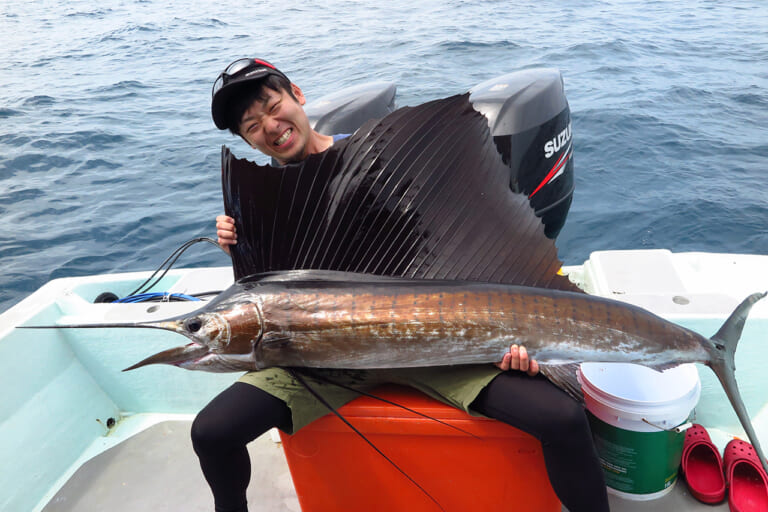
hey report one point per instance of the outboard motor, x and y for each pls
(531, 125)
(346, 110)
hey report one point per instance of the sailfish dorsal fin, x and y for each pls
(421, 193)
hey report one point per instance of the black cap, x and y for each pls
(232, 79)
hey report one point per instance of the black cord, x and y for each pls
(170, 261)
(308, 372)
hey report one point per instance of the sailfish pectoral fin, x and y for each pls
(565, 377)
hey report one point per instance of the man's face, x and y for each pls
(278, 126)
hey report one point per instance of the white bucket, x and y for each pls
(633, 413)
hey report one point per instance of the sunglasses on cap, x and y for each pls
(245, 69)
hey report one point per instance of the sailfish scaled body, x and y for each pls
(403, 245)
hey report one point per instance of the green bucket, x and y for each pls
(634, 412)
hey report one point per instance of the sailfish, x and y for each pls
(403, 245)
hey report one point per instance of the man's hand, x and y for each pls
(517, 359)
(225, 230)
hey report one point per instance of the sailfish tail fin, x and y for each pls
(722, 355)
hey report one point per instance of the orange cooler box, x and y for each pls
(334, 470)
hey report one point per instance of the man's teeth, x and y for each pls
(284, 137)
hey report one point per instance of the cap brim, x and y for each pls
(221, 100)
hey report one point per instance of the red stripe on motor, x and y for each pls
(560, 163)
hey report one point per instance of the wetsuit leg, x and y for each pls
(538, 407)
(220, 433)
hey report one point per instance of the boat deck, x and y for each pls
(83, 435)
(116, 480)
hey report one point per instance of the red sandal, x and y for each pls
(747, 480)
(702, 466)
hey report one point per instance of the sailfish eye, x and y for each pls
(193, 324)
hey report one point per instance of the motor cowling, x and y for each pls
(346, 110)
(530, 122)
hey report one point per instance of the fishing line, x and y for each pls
(170, 261)
(371, 395)
(295, 374)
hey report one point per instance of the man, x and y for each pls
(256, 101)
(271, 120)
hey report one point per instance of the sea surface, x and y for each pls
(109, 159)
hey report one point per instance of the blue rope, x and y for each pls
(144, 297)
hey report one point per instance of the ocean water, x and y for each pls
(109, 159)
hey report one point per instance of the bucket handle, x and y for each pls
(678, 429)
